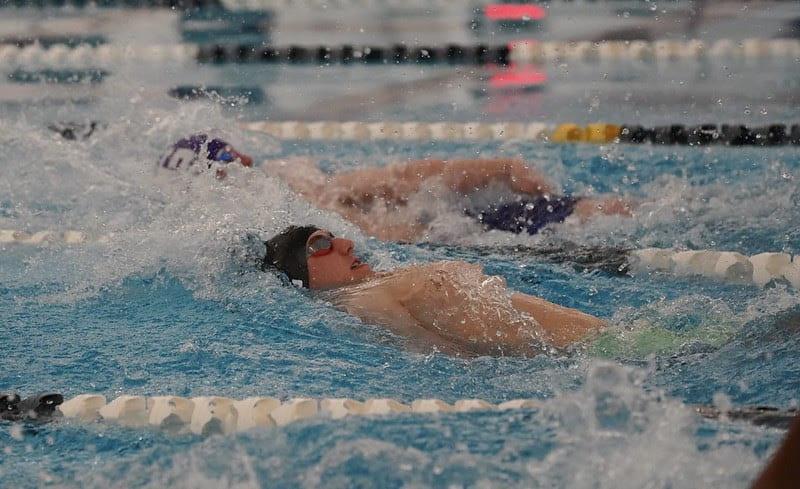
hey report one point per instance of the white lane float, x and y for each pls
(221, 415)
(725, 266)
(254, 412)
(214, 415)
(402, 131)
(169, 413)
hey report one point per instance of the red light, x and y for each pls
(514, 11)
(521, 42)
(518, 78)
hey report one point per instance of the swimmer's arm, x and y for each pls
(467, 176)
(394, 182)
(564, 325)
(443, 305)
(375, 226)
(380, 307)
(422, 340)
(302, 175)
(783, 471)
(586, 208)
(398, 181)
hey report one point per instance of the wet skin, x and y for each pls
(375, 199)
(450, 306)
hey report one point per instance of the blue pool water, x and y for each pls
(168, 306)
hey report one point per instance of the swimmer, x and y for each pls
(783, 470)
(377, 199)
(199, 152)
(451, 306)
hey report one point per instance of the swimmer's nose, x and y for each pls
(343, 246)
(245, 160)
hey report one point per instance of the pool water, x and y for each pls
(169, 305)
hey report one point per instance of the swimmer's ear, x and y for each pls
(285, 280)
(269, 251)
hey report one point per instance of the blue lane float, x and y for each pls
(58, 76)
(47, 41)
(236, 94)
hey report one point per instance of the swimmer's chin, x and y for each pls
(359, 273)
(362, 271)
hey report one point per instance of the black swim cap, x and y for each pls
(287, 252)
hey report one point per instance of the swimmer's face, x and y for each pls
(230, 154)
(331, 262)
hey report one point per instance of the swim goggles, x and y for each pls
(319, 245)
(225, 155)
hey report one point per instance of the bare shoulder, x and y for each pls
(444, 278)
(374, 301)
(439, 266)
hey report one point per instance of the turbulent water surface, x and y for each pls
(169, 304)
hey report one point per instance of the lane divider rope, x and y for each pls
(46, 237)
(725, 266)
(247, 5)
(269, 4)
(596, 133)
(62, 55)
(115, 4)
(317, 4)
(516, 52)
(211, 415)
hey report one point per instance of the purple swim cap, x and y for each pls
(186, 152)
